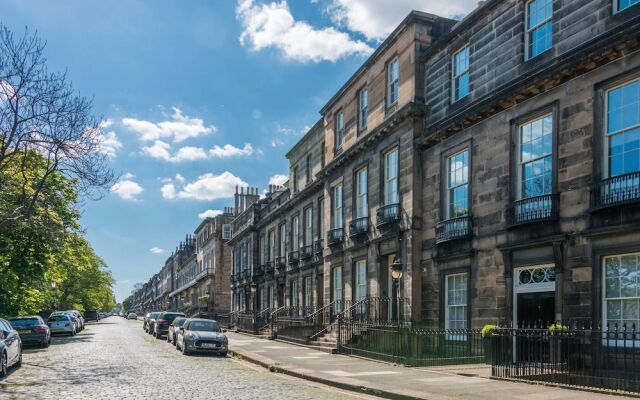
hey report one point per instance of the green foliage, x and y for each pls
(127, 303)
(45, 262)
(487, 329)
(558, 327)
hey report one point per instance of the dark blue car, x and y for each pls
(10, 347)
(32, 330)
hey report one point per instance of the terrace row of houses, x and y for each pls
(473, 171)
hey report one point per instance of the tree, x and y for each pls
(40, 111)
(127, 303)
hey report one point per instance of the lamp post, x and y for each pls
(396, 275)
(254, 289)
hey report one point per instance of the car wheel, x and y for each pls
(168, 338)
(223, 354)
(184, 350)
(3, 365)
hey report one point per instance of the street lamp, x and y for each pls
(396, 275)
(254, 289)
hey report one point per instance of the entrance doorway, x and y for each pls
(534, 295)
(536, 309)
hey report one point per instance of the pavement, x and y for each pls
(116, 359)
(392, 381)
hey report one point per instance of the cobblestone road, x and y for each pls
(115, 359)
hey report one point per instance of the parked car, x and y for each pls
(151, 321)
(92, 316)
(173, 329)
(32, 330)
(132, 315)
(62, 323)
(10, 347)
(201, 336)
(161, 325)
(75, 317)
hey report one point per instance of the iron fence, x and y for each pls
(534, 209)
(619, 189)
(454, 228)
(388, 214)
(253, 323)
(607, 358)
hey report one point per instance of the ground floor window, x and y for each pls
(293, 293)
(336, 279)
(308, 294)
(621, 305)
(455, 312)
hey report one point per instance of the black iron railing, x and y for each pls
(358, 226)
(269, 267)
(388, 214)
(335, 236)
(294, 257)
(306, 252)
(452, 229)
(533, 209)
(607, 358)
(281, 263)
(319, 246)
(253, 322)
(621, 189)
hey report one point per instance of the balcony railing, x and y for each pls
(306, 252)
(294, 257)
(281, 264)
(533, 209)
(335, 236)
(622, 189)
(358, 226)
(388, 214)
(319, 246)
(269, 267)
(452, 229)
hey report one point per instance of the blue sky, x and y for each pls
(198, 96)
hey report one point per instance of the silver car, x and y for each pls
(132, 315)
(201, 336)
(61, 323)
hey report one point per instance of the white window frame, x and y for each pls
(293, 293)
(450, 188)
(339, 129)
(363, 108)
(308, 226)
(308, 291)
(337, 286)
(607, 135)
(447, 307)
(393, 82)
(360, 280)
(336, 203)
(295, 233)
(455, 74)
(282, 251)
(226, 231)
(521, 163)
(617, 9)
(391, 183)
(362, 206)
(611, 342)
(272, 245)
(527, 36)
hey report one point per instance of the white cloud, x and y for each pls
(272, 25)
(209, 214)
(231, 151)
(105, 123)
(286, 131)
(127, 176)
(278, 179)
(156, 250)
(179, 178)
(376, 19)
(276, 142)
(127, 189)
(109, 144)
(162, 150)
(179, 128)
(207, 187)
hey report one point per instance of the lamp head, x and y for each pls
(396, 269)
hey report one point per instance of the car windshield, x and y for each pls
(24, 322)
(170, 317)
(179, 321)
(204, 326)
(154, 315)
(57, 318)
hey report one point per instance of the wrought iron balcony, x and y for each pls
(621, 189)
(335, 236)
(306, 252)
(533, 209)
(388, 214)
(319, 246)
(269, 267)
(359, 226)
(452, 229)
(260, 270)
(281, 262)
(294, 257)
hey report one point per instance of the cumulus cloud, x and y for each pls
(207, 187)
(228, 150)
(109, 144)
(156, 250)
(209, 214)
(126, 188)
(179, 128)
(162, 151)
(278, 179)
(273, 26)
(376, 19)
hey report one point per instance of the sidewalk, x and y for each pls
(391, 381)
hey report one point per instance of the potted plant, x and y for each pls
(556, 339)
(486, 341)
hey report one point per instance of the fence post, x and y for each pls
(339, 335)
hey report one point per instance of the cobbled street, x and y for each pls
(116, 359)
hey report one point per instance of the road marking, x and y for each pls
(367, 373)
(317, 353)
(452, 379)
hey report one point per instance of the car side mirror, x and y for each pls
(181, 328)
(224, 331)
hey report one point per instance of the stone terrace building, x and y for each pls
(531, 165)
